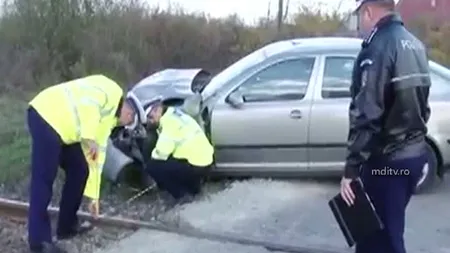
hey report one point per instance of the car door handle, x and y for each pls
(295, 114)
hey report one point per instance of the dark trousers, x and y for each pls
(47, 154)
(390, 195)
(177, 177)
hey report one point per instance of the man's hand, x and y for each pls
(94, 208)
(346, 191)
(92, 147)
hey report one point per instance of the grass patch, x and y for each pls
(14, 139)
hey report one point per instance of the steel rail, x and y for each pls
(19, 209)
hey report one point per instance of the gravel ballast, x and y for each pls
(13, 233)
(286, 212)
(13, 238)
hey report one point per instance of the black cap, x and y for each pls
(360, 3)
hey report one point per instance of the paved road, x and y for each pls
(287, 212)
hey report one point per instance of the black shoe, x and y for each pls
(79, 229)
(47, 248)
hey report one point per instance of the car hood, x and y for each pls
(171, 83)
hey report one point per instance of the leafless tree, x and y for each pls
(268, 14)
(280, 16)
(286, 11)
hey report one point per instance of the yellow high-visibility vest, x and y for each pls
(84, 108)
(182, 137)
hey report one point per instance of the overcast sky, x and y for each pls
(250, 10)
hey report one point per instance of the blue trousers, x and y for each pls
(390, 195)
(177, 177)
(48, 153)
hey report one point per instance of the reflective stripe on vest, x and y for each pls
(104, 112)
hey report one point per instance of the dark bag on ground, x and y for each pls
(360, 219)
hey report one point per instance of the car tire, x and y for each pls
(429, 173)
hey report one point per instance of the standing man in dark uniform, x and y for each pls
(388, 115)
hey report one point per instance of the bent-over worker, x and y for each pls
(69, 125)
(182, 155)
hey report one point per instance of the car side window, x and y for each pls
(286, 80)
(337, 77)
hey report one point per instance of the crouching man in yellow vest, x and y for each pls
(182, 155)
(69, 125)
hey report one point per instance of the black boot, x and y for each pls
(47, 248)
(79, 229)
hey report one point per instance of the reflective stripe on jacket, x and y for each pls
(84, 108)
(182, 137)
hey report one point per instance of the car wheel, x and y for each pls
(429, 173)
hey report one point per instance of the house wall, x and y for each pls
(414, 9)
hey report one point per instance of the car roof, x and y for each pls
(280, 49)
(306, 45)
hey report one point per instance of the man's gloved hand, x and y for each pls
(94, 208)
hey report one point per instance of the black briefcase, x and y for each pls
(360, 219)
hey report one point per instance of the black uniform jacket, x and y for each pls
(390, 87)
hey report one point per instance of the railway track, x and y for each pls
(17, 211)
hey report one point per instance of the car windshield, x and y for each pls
(440, 79)
(235, 69)
(246, 62)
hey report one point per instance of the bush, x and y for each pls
(434, 36)
(48, 41)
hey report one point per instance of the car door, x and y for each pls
(329, 114)
(268, 132)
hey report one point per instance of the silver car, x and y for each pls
(279, 111)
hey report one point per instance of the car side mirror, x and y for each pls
(235, 99)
